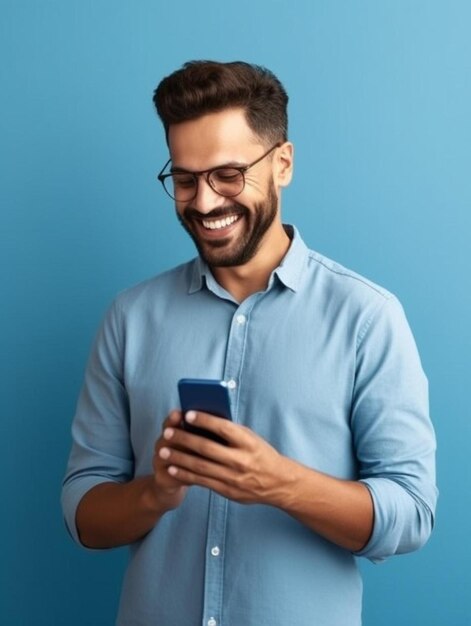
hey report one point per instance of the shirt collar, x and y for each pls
(289, 272)
(198, 275)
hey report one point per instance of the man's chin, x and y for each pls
(212, 244)
(219, 254)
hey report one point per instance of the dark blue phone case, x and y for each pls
(209, 396)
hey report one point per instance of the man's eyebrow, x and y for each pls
(175, 169)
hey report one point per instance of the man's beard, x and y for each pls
(257, 222)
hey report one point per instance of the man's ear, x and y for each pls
(283, 164)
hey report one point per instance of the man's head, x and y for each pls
(202, 87)
(225, 125)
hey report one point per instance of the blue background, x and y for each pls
(380, 116)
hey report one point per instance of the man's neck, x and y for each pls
(244, 280)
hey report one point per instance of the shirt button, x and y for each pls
(212, 622)
(241, 319)
(215, 551)
(231, 384)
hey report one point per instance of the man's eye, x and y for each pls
(183, 181)
(226, 175)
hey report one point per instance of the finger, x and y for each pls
(161, 475)
(173, 419)
(234, 434)
(179, 439)
(198, 465)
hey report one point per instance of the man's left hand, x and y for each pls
(247, 470)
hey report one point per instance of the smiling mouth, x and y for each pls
(219, 224)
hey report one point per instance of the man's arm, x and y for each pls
(251, 471)
(103, 505)
(114, 514)
(339, 510)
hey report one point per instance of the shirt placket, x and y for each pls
(219, 506)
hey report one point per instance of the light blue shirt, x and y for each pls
(323, 366)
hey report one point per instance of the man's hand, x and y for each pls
(247, 470)
(113, 514)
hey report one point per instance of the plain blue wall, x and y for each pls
(380, 115)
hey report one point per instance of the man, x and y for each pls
(330, 452)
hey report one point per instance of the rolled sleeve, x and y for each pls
(101, 450)
(393, 434)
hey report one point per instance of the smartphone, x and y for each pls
(209, 396)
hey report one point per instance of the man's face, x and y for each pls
(226, 231)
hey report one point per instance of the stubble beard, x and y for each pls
(221, 253)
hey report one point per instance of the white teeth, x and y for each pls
(216, 224)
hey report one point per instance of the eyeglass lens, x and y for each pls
(226, 181)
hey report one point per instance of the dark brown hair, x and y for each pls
(202, 87)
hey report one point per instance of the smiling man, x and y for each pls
(330, 453)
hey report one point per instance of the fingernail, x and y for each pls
(190, 416)
(164, 453)
(172, 470)
(168, 433)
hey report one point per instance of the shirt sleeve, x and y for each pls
(393, 434)
(101, 450)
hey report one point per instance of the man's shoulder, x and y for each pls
(157, 288)
(340, 281)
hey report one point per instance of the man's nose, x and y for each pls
(206, 198)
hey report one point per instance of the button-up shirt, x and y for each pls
(322, 364)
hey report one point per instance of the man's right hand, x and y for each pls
(115, 514)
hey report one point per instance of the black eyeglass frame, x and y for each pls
(207, 174)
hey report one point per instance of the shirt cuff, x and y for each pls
(402, 522)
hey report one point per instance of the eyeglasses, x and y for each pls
(225, 180)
